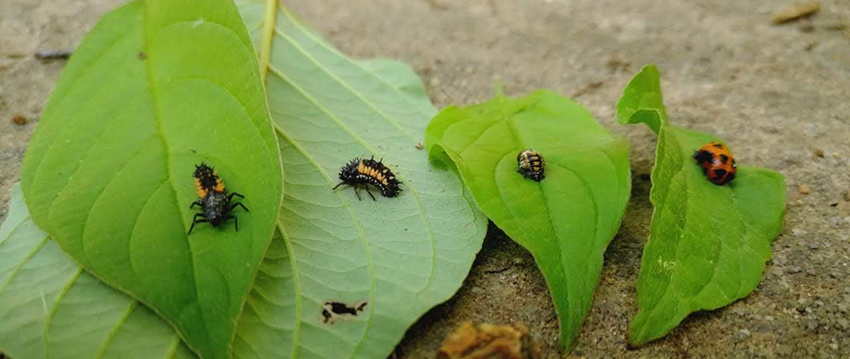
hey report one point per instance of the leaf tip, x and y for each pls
(642, 100)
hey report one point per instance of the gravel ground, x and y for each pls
(779, 94)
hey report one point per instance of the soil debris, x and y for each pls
(19, 120)
(795, 12)
(53, 54)
(803, 189)
(489, 341)
(593, 86)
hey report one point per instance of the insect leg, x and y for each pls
(234, 194)
(337, 186)
(357, 193)
(240, 205)
(196, 220)
(370, 193)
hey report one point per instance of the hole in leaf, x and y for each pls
(334, 311)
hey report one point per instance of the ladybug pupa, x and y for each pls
(531, 164)
(213, 199)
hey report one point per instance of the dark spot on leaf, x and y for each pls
(334, 311)
(142, 55)
(341, 308)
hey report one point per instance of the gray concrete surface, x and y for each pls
(779, 95)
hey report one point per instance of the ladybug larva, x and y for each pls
(531, 164)
(365, 172)
(213, 199)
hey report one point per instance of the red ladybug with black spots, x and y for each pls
(717, 163)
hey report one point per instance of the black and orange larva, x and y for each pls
(213, 199)
(365, 172)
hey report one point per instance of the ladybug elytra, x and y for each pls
(717, 163)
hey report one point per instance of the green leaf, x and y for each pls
(708, 244)
(50, 307)
(401, 255)
(642, 101)
(157, 87)
(566, 220)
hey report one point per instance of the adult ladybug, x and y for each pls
(717, 163)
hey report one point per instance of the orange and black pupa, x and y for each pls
(717, 163)
(531, 164)
(213, 199)
(366, 172)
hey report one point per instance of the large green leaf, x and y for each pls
(51, 308)
(566, 220)
(157, 87)
(708, 244)
(402, 255)
(282, 317)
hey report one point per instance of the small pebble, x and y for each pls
(847, 196)
(811, 273)
(518, 261)
(794, 270)
(803, 189)
(813, 246)
(19, 120)
(769, 318)
(819, 152)
(833, 346)
(477, 290)
(742, 334)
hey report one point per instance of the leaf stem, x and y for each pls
(268, 33)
